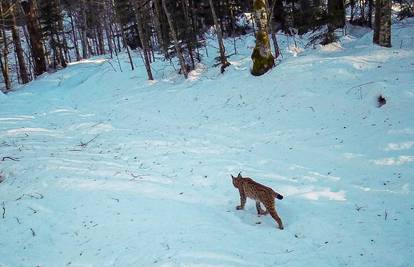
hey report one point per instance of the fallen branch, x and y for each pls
(361, 85)
(4, 210)
(135, 176)
(358, 208)
(82, 144)
(10, 158)
(34, 211)
(36, 196)
(116, 199)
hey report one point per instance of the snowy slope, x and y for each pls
(103, 168)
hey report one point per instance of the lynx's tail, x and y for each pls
(278, 196)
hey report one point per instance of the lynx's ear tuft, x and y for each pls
(239, 175)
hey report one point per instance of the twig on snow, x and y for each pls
(33, 232)
(358, 208)
(116, 199)
(82, 144)
(10, 158)
(361, 85)
(134, 176)
(4, 210)
(35, 195)
(386, 215)
(34, 211)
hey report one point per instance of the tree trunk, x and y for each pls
(262, 57)
(270, 11)
(144, 42)
(61, 45)
(106, 27)
(176, 44)
(158, 29)
(18, 49)
(36, 44)
(4, 62)
(336, 19)
(352, 4)
(101, 43)
(75, 39)
(84, 37)
(190, 39)
(223, 59)
(370, 8)
(382, 31)
(64, 44)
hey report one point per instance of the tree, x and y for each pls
(336, 19)
(176, 43)
(52, 27)
(144, 39)
(382, 29)
(18, 46)
(4, 62)
(223, 58)
(38, 54)
(270, 13)
(262, 57)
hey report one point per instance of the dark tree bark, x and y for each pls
(74, 36)
(36, 44)
(4, 62)
(382, 30)
(223, 58)
(174, 36)
(84, 28)
(270, 11)
(18, 48)
(336, 19)
(144, 41)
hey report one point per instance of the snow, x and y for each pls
(103, 168)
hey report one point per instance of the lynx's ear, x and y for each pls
(232, 176)
(239, 176)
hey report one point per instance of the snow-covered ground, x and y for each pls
(103, 168)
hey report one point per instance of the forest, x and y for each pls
(39, 36)
(206, 133)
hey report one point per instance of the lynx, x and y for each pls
(260, 193)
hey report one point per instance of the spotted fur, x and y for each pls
(248, 188)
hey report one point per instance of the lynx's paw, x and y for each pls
(239, 207)
(262, 212)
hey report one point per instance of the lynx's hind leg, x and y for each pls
(271, 209)
(259, 209)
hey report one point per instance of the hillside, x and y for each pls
(103, 168)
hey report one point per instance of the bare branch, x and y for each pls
(10, 158)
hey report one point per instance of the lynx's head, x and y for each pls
(236, 180)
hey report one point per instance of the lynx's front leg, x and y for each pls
(242, 200)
